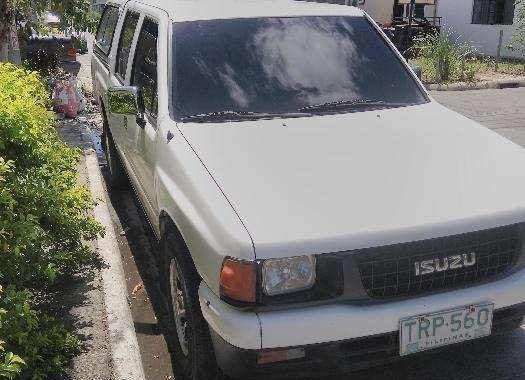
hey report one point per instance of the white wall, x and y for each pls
(458, 15)
(380, 10)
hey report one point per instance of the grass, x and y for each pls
(476, 69)
(510, 66)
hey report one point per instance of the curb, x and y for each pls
(124, 348)
(497, 84)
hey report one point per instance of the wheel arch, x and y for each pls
(168, 224)
(166, 221)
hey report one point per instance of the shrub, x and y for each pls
(444, 58)
(11, 365)
(42, 341)
(44, 223)
(44, 213)
(43, 61)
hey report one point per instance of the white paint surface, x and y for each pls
(350, 181)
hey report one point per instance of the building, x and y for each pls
(477, 21)
(381, 11)
(384, 11)
(480, 22)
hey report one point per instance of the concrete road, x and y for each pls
(501, 110)
(495, 358)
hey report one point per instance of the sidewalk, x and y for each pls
(83, 300)
(487, 85)
(135, 245)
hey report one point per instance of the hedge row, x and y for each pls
(44, 223)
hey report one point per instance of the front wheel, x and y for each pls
(188, 336)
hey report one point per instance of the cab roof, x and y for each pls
(198, 10)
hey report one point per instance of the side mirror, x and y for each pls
(125, 101)
(417, 70)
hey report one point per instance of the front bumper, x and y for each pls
(343, 321)
(331, 333)
(337, 357)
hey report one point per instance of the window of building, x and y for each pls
(493, 12)
(124, 46)
(419, 10)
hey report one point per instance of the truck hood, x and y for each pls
(335, 183)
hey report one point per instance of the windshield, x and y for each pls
(279, 66)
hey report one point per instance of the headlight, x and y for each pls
(281, 276)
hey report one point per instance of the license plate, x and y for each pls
(426, 332)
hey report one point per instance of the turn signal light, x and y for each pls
(238, 280)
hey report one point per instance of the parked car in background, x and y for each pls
(317, 210)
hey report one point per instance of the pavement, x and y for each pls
(97, 303)
(82, 299)
(512, 82)
(500, 110)
(494, 358)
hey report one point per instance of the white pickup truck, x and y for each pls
(318, 210)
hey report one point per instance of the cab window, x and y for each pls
(106, 28)
(144, 73)
(124, 46)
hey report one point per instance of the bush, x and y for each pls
(44, 61)
(44, 213)
(444, 58)
(42, 341)
(44, 223)
(11, 365)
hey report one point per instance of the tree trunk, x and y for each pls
(10, 50)
(9, 47)
(4, 50)
(13, 44)
(4, 27)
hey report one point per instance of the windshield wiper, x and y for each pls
(239, 115)
(351, 105)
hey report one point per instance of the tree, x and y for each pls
(74, 14)
(10, 12)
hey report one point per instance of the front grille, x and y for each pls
(390, 271)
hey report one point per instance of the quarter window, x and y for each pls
(124, 46)
(144, 73)
(493, 12)
(106, 28)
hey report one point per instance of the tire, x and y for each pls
(188, 337)
(118, 180)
